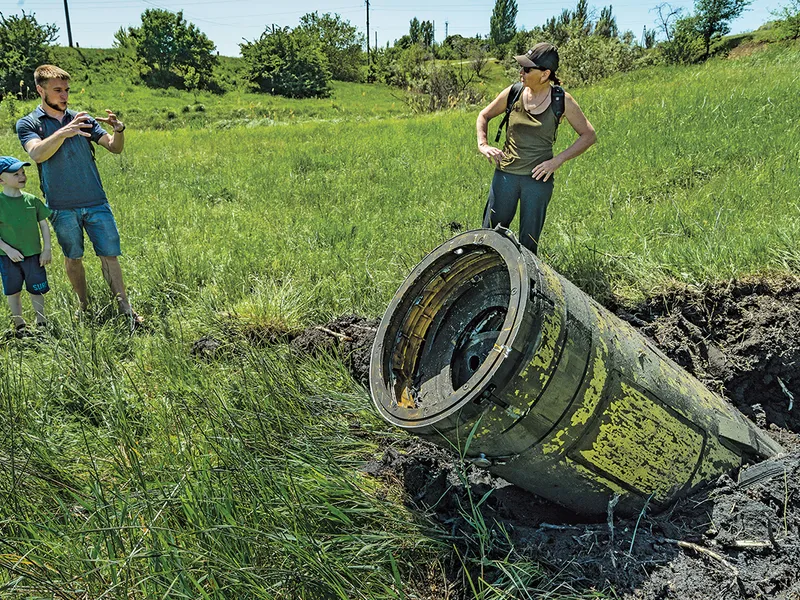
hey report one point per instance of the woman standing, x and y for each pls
(526, 164)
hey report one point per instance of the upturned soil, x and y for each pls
(738, 538)
(348, 336)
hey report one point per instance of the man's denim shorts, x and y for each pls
(98, 221)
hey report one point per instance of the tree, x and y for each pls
(124, 40)
(649, 38)
(789, 24)
(685, 44)
(580, 18)
(414, 31)
(606, 25)
(503, 24)
(462, 47)
(404, 42)
(339, 41)
(169, 46)
(426, 33)
(714, 16)
(667, 16)
(24, 45)
(589, 51)
(479, 58)
(556, 29)
(287, 63)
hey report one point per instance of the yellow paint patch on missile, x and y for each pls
(590, 401)
(556, 443)
(644, 445)
(551, 329)
(717, 458)
(592, 396)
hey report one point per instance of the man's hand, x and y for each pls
(491, 153)
(45, 257)
(117, 125)
(14, 254)
(546, 169)
(78, 126)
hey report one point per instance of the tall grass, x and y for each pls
(133, 468)
(157, 475)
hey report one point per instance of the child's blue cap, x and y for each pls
(11, 164)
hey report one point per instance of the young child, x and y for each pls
(22, 257)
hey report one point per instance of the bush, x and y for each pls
(24, 45)
(339, 41)
(441, 88)
(230, 73)
(588, 51)
(9, 113)
(585, 58)
(409, 67)
(430, 87)
(93, 66)
(788, 26)
(287, 63)
(686, 44)
(173, 52)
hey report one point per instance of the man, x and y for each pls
(60, 142)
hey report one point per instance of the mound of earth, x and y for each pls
(736, 539)
(350, 336)
(732, 540)
(742, 340)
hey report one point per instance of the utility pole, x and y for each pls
(375, 45)
(69, 28)
(369, 69)
(445, 30)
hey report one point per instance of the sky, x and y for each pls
(228, 22)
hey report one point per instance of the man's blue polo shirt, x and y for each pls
(69, 178)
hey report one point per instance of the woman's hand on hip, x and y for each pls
(546, 169)
(491, 153)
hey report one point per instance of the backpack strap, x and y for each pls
(37, 125)
(513, 95)
(558, 101)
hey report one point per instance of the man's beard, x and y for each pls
(54, 106)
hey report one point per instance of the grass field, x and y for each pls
(132, 469)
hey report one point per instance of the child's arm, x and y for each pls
(12, 253)
(46, 256)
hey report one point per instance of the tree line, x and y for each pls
(169, 51)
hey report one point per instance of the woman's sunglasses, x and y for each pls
(529, 69)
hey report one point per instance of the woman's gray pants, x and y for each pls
(533, 196)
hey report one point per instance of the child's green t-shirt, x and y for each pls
(19, 222)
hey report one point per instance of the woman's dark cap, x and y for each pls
(542, 56)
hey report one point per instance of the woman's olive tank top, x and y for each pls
(529, 139)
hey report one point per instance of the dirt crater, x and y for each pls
(741, 339)
(738, 538)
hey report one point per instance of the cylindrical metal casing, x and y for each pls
(558, 395)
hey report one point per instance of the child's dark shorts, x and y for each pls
(29, 271)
